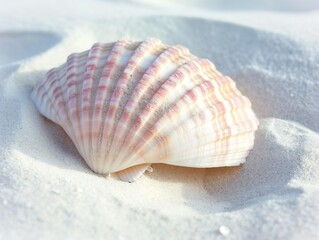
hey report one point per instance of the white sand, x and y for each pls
(48, 192)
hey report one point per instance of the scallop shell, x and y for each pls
(127, 104)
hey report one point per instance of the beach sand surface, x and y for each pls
(270, 49)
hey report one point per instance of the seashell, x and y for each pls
(127, 104)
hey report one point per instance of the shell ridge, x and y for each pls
(72, 80)
(185, 74)
(42, 101)
(234, 159)
(51, 84)
(60, 96)
(132, 109)
(105, 87)
(61, 104)
(103, 52)
(87, 97)
(121, 89)
(150, 108)
(129, 50)
(101, 62)
(202, 85)
(239, 128)
(76, 112)
(200, 148)
(219, 139)
(76, 68)
(209, 113)
(101, 99)
(129, 80)
(194, 111)
(156, 105)
(216, 116)
(205, 154)
(64, 69)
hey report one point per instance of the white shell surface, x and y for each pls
(128, 104)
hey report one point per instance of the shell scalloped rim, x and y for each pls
(128, 104)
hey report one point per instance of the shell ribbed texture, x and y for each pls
(128, 104)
